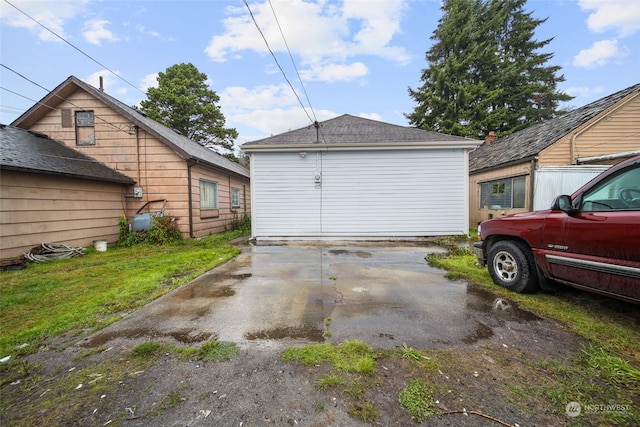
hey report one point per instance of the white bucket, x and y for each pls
(100, 245)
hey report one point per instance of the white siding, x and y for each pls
(286, 201)
(552, 181)
(403, 193)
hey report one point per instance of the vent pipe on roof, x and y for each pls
(101, 84)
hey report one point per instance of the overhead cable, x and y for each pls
(75, 47)
(276, 60)
(293, 62)
(59, 97)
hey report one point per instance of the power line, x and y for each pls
(73, 46)
(276, 60)
(58, 96)
(293, 62)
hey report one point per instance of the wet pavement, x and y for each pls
(382, 293)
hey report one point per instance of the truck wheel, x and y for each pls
(511, 266)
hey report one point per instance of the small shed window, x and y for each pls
(506, 193)
(235, 197)
(208, 195)
(85, 130)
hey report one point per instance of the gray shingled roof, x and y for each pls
(356, 130)
(183, 146)
(528, 142)
(28, 151)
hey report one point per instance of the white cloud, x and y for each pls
(622, 16)
(585, 92)
(600, 53)
(52, 15)
(150, 80)
(110, 83)
(277, 120)
(95, 31)
(261, 97)
(323, 35)
(372, 116)
(335, 72)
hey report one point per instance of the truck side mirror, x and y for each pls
(562, 203)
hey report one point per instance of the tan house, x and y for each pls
(204, 190)
(52, 193)
(525, 170)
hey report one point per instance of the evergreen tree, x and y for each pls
(183, 102)
(485, 73)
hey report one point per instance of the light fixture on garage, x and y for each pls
(303, 154)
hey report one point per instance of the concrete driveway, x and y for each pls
(382, 293)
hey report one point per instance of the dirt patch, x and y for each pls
(91, 385)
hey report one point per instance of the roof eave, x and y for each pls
(123, 181)
(355, 146)
(504, 165)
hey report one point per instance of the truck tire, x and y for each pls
(511, 266)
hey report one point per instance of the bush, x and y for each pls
(164, 229)
(243, 224)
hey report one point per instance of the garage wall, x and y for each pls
(384, 193)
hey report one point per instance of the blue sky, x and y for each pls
(353, 56)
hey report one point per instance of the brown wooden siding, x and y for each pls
(202, 223)
(44, 208)
(614, 131)
(160, 172)
(476, 214)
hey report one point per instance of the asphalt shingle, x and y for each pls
(29, 151)
(532, 140)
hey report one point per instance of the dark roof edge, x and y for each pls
(127, 181)
(504, 165)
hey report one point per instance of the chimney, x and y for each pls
(490, 138)
(101, 84)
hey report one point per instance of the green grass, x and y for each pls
(145, 349)
(352, 356)
(417, 397)
(611, 324)
(216, 351)
(607, 367)
(87, 293)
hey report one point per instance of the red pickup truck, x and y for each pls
(589, 240)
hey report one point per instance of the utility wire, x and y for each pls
(73, 46)
(276, 60)
(59, 97)
(293, 62)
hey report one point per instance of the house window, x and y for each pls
(503, 194)
(208, 195)
(85, 131)
(235, 197)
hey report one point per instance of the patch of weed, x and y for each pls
(216, 351)
(329, 381)
(417, 397)
(419, 357)
(365, 411)
(145, 349)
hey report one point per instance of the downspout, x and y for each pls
(189, 165)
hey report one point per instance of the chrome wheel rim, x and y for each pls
(505, 266)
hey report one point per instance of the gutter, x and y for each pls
(354, 146)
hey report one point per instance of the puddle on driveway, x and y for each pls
(385, 295)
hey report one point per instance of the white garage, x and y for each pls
(355, 178)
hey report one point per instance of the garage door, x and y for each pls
(360, 193)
